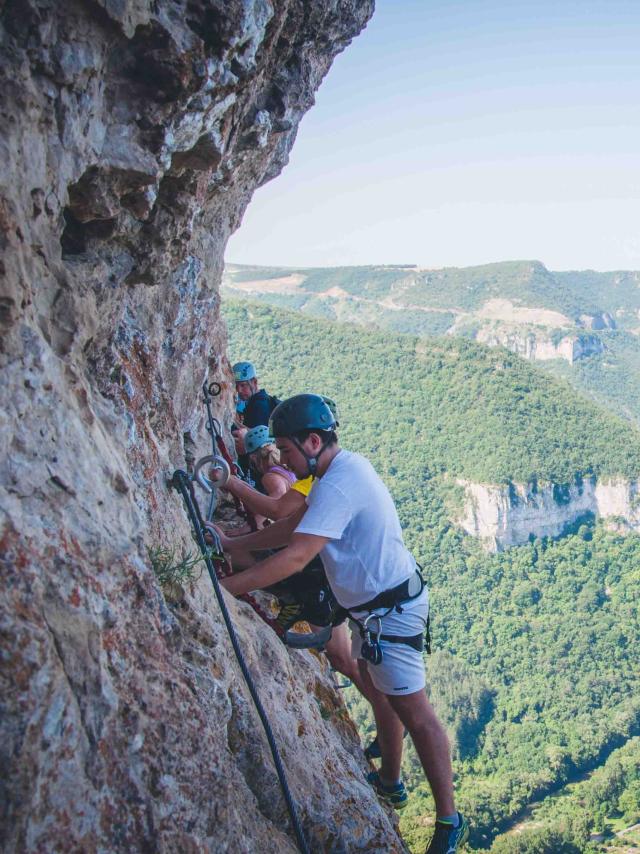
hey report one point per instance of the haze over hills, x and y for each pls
(534, 667)
(582, 325)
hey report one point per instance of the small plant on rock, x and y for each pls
(171, 569)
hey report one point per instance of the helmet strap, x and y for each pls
(312, 462)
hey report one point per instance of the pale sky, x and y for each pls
(460, 132)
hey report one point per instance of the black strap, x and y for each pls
(390, 598)
(415, 641)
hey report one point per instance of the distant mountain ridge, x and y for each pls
(583, 325)
(458, 289)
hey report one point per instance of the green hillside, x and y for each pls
(616, 292)
(612, 379)
(432, 303)
(451, 405)
(529, 283)
(534, 668)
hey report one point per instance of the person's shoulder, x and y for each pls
(352, 465)
(349, 460)
(257, 410)
(304, 485)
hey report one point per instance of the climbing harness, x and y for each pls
(184, 485)
(392, 599)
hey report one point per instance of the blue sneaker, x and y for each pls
(396, 795)
(448, 839)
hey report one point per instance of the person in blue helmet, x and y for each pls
(254, 405)
(274, 480)
(350, 520)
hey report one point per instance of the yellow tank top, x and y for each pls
(303, 486)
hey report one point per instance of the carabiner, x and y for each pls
(365, 625)
(217, 463)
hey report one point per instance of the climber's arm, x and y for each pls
(272, 537)
(301, 549)
(265, 505)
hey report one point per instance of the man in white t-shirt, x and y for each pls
(351, 521)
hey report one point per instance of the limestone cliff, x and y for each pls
(133, 135)
(505, 516)
(540, 345)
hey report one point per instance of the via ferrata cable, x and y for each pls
(182, 483)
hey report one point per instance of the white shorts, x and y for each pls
(401, 670)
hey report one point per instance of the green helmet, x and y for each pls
(256, 438)
(301, 412)
(333, 406)
(243, 371)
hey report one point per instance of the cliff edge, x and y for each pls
(133, 135)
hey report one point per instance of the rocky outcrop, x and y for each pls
(505, 516)
(597, 321)
(538, 345)
(133, 135)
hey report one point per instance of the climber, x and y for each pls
(274, 507)
(258, 404)
(272, 480)
(288, 507)
(351, 521)
(305, 596)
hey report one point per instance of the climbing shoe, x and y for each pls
(448, 839)
(373, 750)
(395, 795)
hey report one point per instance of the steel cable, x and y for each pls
(181, 482)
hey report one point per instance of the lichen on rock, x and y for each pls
(134, 133)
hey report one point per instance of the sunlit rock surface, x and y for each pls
(504, 516)
(133, 135)
(541, 345)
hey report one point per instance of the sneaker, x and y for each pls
(395, 795)
(373, 750)
(448, 839)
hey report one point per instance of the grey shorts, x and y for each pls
(401, 670)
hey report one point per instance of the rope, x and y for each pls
(213, 429)
(181, 482)
(240, 508)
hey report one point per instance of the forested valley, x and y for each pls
(535, 661)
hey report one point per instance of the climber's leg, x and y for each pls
(431, 743)
(389, 726)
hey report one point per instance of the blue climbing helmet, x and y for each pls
(256, 438)
(299, 413)
(243, 371)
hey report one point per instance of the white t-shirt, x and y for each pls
(352, 506)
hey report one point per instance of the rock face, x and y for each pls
(598, 321)
(505, 516)
(133, 135)
(541, 346)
